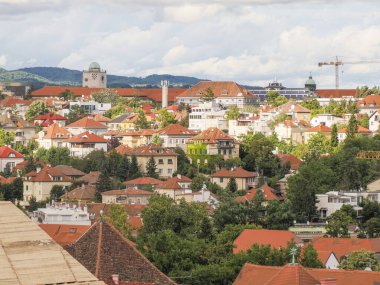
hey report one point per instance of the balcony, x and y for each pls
(225, 145)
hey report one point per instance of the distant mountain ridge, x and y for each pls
(41, 76)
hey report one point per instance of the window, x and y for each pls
(160, 171)
(160, 161)
(221, 179)
(170, 161)
(170, 171)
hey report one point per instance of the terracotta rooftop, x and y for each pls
(212, 135)
(64, 234)
(46, 174)
(171, 183)
(292, 107)
(54, 131)
(123, 149)
(274, 238)
(69, 170)
(8, 180)
(320, 128)
(7, 152)
(90, 178)
(142, 181)
(370, 101)
(359, 130)
(129, 192)
(100, 118)
(50, 116)
(87, 123)
(84, 192)
(152, 150)
(87, 137)
(176, 130)
(335, 93)
(236, 172)
(10, 101)
(291, 159)
(268, 192)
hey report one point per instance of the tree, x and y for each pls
(207, 95)
(56, 192)
(102, 185)
(232, 185)
(279, 215)
(106, 96)
(351, 127)
(360, 260)
(113, 143)
(76, 113)
(165, 118)
(67, 95)
(338, 223)
(6, 138)
(372, 227)
(115, 111)
(255, 210)
(33, 205)
(58, 155)
(233, 112)
(141, 122)
(318, 145)
(272, 96)
(118, 217)
(156, 139)
(364, 121)
(35, 109)
(229, 212)
(151, 168)
(310, 258)
(135, 171)
(364, 91)
(334, 136)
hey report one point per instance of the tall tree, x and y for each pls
(165, 118)
(151, 168)
(310, 257)
(334, 136)
(233, 112)
(141, 122)
(207, 95)
(135, 170)
(351, 127)
(35, 109)
(106, 96)
(118, 217)
(6, 138)
(232, 185)
(102, 185)
(338, 223)
(360, 260)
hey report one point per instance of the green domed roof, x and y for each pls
(94, 65)
(310, 81)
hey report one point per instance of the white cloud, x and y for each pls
(191, 13)
(3, 60)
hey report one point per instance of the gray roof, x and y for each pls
(120, 118)
(28, 256)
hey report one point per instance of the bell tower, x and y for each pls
(94, 77)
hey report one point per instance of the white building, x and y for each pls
(91, 107)
(84, 143)
(332, 201)
(62, 214)
(208, 115)
(94, 77)
(9, 158)
(374, 122)
(328, 119)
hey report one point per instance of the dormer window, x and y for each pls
(11, 154)
(57, 178)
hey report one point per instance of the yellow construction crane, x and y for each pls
(368, 154)
(338, 62)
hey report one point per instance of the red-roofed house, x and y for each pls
(244, 179)
(84, 143)
(336, 93)
(171, 188)
(130, 196)
(39, 183)
(290, 131)
(361, 131)
(296, 111)
(369, 104)
(175, 135)
(53, 135)
(48, 119)
(82, 193)
(291, 160)
(268, 192)
(64, 234)
(142, 182)
(86, 125)
(273, 238)
(9, 158)
(321, 128)
(295, 274)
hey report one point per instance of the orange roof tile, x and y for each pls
(142, 181)
(8, 180)
(291, 106)
(128, 192)
(47, 174)
(10, 101)
(7, 152)
(85, 192)
(54, 131)
(86, 122)
(50, 116)
(171, 183)
(267, 191)
(359, 130)
(212, 135)
(286, 158)
(274, 238)
(370, 101)
(236, 172)
(90, 178)
(99, 118)
(87, 137)
(135, 222)
(123, 149)
(176, 130)
(320, 128)
(64, 234)
(335, 93)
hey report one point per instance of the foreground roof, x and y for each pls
(87, 137)
(236, 172)
(7, 152)
(28, 256)
(64, 234)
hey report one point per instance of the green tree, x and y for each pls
(364, 91)
(118, 217)
(112, 113)
(338, 223)
(67, 95)
(106, 96)
(318, 145)
(351, 127)
(279, 215)
(56, 192)
(311, 104)
(58, 155)
(6, 138)
(207, 95)
(334, 136)
(156, 139)
(135, 171)
(102, 185)
(255, 210)
(364, 121)
(165, 118)
(229, 212)
(360, 260)
(280, 100)
(35, 109)
(272, 96)
(76, 113)
(233, 112)
(372, 227)
(141, 122)
(232, 185)
(151, 168)
(310, 258)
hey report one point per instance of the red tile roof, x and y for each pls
(296, 274)
(291, 106)
(46, 174)
(320, 128)
(54, 131)
(129, 192)
(50, 116)
(334, 93)
(219, 88)
(99, 118)
(268, 192)
(171, 183)
(343, 246)
(359, 130)
(274, 238)
(10, 101)
(152, 150)
(212, 135)
(88, 123)
(7, 152)
(87, 137)
(90, 178)
(176, 130)
(85, 192)
(8, 180)
(294, 161)
(123, 149)
(64, 234)
(143, 181)
(135, 222)
(370, 101)
(236, 172)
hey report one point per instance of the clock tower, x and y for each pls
(94, 77)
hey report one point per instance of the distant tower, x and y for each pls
(94, 77)
(165, 92)
(310, 84)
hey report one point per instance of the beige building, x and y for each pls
(137, 138)
(94, 77)
(54, 135)
(294, 110)
(244, 179)
(126, 196)
(322, 128)
(39, 183)
(9, 158)
(175, 135)
(291, 131)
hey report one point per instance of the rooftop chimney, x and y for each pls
(328, 281)
(165, 93)
(115, 279)
(179, 176)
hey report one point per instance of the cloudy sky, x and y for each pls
(248, 41)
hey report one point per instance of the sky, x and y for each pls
(247, 41)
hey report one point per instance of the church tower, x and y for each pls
(94, 77)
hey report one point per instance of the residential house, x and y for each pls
(53, 136)
(105, 251)
(165, 158)
(81, 193)
(84, 143)
(322, 128)
(175, 135)
(142, 183)
(62, 214)
(64, 234)
(172, 189)
(9, 158)
(30, 256)
(208, 115)
(332, 201)
(39, 183)
(244, 179)
(273, 238)
(91, 178)
(327, 119)
(91, 107)
(290, 131)
(23, 130)
(116, 123)
(244, 124)
(137, 138)
(100, 118)
(211, 142)
(361, 131)
(294, 110)
(290, 160)
(374, 122)
(129, 196)
(268, 192)
(226, 93)
(48, 119)
(296, 274)
(86, 125)
(369, 104)
(202, 196)
(70, 171)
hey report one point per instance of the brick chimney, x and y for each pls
(328, 281)
(115, 279)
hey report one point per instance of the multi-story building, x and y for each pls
(84, 143)
(226, 93)
(374, 122)
(361, 131)
(208, 115)
(322, 128)
(126, 196)
(244, 179)
(327, 119)
(62, 214)
(23, 130)
(9, 158)
(369, 104)
(212, 141)
(86, 125)
(91, 107)
(175, 135)
(54, 135)
(94, 77)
